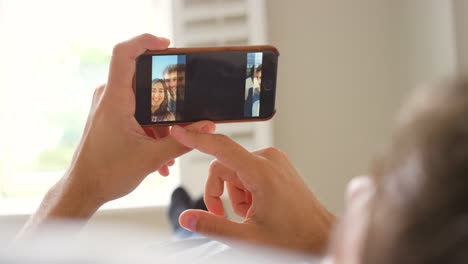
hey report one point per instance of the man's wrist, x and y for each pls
(72, 198)
(67, 199)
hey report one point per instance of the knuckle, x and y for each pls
(99, 89)
(97, 94)
(210, 228)
(214, 165)
(263, 164)
(221, 139)
(146, 36)
(274, 153)
(272, 150)
(119, 48)
(202, 226)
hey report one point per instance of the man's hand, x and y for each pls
(265, 189)
(115, 153)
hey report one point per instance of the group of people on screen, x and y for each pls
(165, 93)
(169, 90)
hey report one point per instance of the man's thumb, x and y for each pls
(211, 225)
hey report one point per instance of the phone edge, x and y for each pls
(207, 49)
(216, 122)
(214, 49)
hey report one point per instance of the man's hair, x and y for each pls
(251, 72)
(174, 68)
(259, 68)
(420, 210)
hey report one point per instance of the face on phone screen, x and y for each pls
(217, 86)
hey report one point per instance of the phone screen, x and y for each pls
(217, 86)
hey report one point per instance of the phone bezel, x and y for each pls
(140, 113)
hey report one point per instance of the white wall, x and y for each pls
(345, 67)
(461, 26)
(430, 40)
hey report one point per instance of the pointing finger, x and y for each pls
(228, 152)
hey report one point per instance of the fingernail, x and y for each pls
(164, 39)
(359, 187)
(190, 222)
(205, 129)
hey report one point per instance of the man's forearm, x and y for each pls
(65, 200)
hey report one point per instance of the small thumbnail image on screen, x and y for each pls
(167, 87)
(253, 84)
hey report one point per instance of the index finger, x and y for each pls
(214, 186)
(228, 152)
(122, 66)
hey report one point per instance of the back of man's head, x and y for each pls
(420, 210)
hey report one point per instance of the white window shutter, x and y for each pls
(220, 23)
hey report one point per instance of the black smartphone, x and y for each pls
(221, 84)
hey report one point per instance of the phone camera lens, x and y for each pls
(269, 84)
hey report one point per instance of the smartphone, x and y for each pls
(221, 84)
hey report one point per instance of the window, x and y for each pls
(54, 53)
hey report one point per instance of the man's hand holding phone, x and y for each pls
(264, 188)
(115, 153)
(115, 150)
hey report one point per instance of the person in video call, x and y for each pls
(253, 83)
(257, 89)
(174, 75)
(413, 208)
(249, 81)
(159, 99)
(249, 85)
